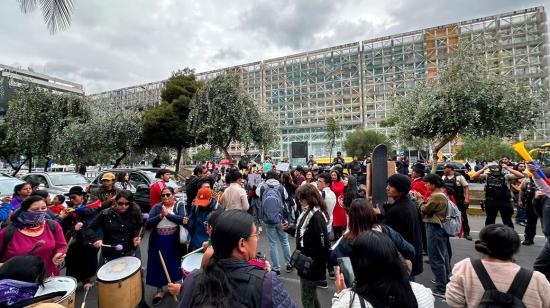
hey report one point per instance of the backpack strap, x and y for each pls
(520, 283)
(483, 275)
(8, 235)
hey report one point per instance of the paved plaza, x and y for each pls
(461, 249)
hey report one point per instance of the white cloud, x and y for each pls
(113, 44)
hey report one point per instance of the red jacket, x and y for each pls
(338, 214)
(155, 192)
(420, 186)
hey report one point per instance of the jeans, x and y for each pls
(309, 293)
(532, 218)
(275, 232)
(440, 262)
(492, 207)
(542, 263)
(520, 211)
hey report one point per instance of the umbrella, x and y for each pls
(225, 162)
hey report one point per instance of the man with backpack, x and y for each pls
(272, 195)
(457, 186)
(498, 197)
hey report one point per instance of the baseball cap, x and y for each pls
(108, 176)
(203, 196)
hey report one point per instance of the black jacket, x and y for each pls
(316, 245)
(404, 217)
(117, 229)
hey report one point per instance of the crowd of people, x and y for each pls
(373, 254)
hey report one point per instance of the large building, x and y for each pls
(11, 78)
(355, 82)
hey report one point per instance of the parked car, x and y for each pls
(139, 178)
(57, 183)
(459, 167)
(7, 184)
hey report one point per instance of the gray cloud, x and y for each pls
(113, 44)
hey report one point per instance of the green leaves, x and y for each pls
(223, 112)
(484, 148)
(362, 142)
(467, 100)
(333, 132)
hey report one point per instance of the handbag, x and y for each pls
(183, 232)
(298, 260)
(301, 262)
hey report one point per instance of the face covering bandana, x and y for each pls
(32, 219)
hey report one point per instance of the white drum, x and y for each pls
(119, 283)
(60, 283)
(191, 263)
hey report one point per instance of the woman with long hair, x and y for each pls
(498, 244)
(362, 217)
(123, 182)
(165, 218)
(380, 279)
(350, 191)
(228, 280)
(31, 233)
(312, 241)
(20, 193)
(120, 225)
(339, 220)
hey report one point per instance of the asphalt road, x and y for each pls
(461, 249)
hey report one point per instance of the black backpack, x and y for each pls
(496, 187)
(494, 298)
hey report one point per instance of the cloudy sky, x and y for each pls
(118, 43)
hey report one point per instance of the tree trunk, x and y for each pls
(438, 147)
(178, 159)
(226, 151)
(15, 170)
(30, 163)
(47, 163)
(117, 162)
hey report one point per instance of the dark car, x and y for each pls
(459, 168)
(141, 180)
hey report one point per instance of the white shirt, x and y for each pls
(330, 200)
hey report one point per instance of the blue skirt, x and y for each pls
(171, 252)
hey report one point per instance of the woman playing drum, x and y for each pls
(165, 218)
(120, 225)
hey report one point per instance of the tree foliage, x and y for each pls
(167, 125)
(486, 148)
(36, 118)
(333, 133)
(466, 100)
(103, 137)
(56, 13)
(204, 154)
(223, 112)
(361, 142)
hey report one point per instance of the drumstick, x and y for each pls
(192, 252)
(116, 247)
(87, 287)
(166, 272)
(36, 246)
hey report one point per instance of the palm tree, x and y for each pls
(56, 13)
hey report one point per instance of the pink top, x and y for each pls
(22, 244)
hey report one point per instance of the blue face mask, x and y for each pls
(32, 219)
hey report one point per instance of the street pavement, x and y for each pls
(461, 249)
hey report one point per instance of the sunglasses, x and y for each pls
(123, 203)
(165, 195)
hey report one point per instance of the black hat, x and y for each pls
(449, 166)
(75, 190)
(400, 182)
(420, 168)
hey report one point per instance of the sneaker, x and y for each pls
(523, 224)
(323, 284)
(527, 242)
(438, 293)
(331, 274)
(289, 268)
(433, 281)
(468, 237)
(278, 273)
